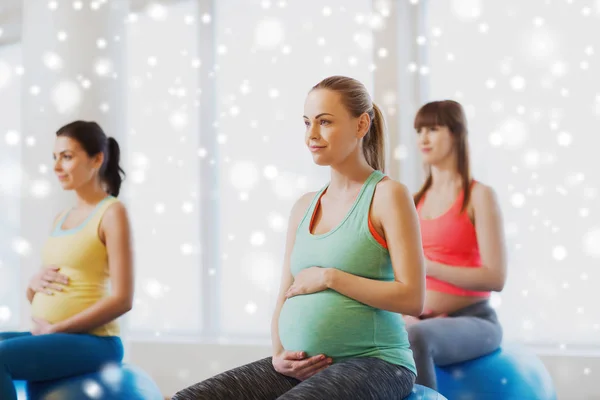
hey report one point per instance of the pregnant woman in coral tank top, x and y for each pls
(353, 265)
(462, 235)
(74, 329)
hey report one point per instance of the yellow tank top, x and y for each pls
(80, 255)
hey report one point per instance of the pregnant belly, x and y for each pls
(326, 323)
(447, 303)
(63, 305)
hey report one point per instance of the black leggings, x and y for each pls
(466, 334)
(357, 378)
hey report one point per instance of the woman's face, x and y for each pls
(436, 143)
(72, 165)
(332, 133)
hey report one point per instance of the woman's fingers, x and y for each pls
(53, 276)
(48, 287)
(312, 364)
(54, 286)
(314, 372)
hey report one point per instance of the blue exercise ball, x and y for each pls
(123, 382)
(511, 373)
(20, 386)
(424, 393)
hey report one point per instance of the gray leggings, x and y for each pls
(358, 378)
(466, 334)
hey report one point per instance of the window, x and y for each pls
(10, 186)
(524, 78)
(254, 94)
(269, 55)
(162, 189)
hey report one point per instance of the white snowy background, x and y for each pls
(524, 70)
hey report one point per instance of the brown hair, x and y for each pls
(357, 101)
(450, 114)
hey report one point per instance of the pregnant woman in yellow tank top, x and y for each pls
(353, 265)
(74, 312)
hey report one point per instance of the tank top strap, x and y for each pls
(95, 218)
(91, 222)
(366, 196)
(457, 206)
(306, 219)
(457, 202)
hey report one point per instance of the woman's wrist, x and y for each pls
(329, 275)
(56, 328)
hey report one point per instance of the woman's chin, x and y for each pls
(66, 186)
(321, 161)
(430, 159)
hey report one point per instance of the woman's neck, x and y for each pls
(350, 174)
(445, 175)
(89, 195)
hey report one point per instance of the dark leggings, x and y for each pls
(466, 334)
(358, 378)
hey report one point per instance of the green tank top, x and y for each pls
(328, 322)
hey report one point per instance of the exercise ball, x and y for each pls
(121, 382)
(424, 393)
(510, 373)
(20, 386)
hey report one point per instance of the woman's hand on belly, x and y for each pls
(296, 365)
(309, 280)
(42, 327)
(48, 280)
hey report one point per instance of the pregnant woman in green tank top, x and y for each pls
(353, 266)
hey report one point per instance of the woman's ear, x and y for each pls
(98, 160)
(364, 123)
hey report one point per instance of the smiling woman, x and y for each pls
(263, 165)
(331, 123)
(348, 273)
(79, 156)
(88, 251)
(532, 143)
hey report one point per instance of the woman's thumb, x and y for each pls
(296, 355)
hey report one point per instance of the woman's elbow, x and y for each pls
(124, 303)
(498, 286)
(415, 311)
(497, 283)
(128, 304)
(414, 306)
(419, 305)
(412, 310)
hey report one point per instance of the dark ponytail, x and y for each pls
(93, 140)
(111, 171)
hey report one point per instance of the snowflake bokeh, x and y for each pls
(525, 90)
(530, 140)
